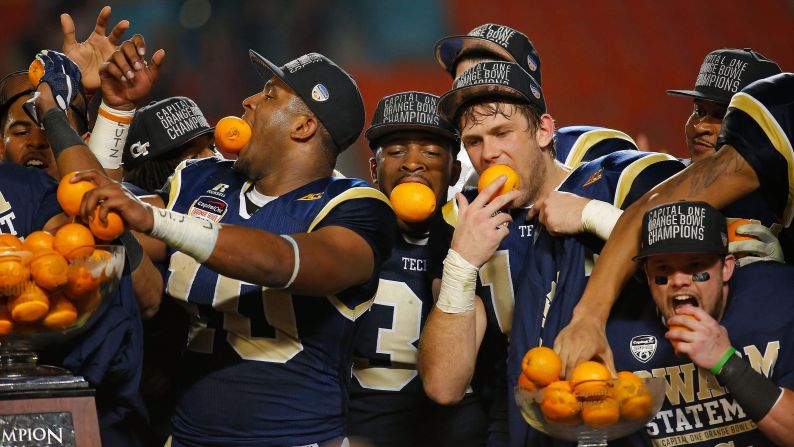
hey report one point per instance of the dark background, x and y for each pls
(604, 62)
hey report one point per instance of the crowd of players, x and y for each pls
(286, 305)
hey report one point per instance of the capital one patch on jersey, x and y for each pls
(643, 347)
(209, 208)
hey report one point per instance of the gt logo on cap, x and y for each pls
(139, 150)
(320, 93)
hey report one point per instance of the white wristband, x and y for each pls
(457, 284)
(109, 135)
(600, 218)
(193, 236)
(297, 253)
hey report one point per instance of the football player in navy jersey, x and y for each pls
(754, 153)
(274, 258)
(729, 324)
(388, 406)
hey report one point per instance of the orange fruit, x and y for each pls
(589, 380)
(541, 365)
(681, 328)
(232, 133)
(62, 314)
(600, 413)
(70, 195)
(13, 275)
(35, 72)
(38, 240)
(6, 323)
(80, 281)
(48, 269)
(74, 240)
(632, 396)
(559, 405)
(30, 305)
(525, 384)
(109, 231)
(493, 172)
(413, 202)
(9, 242)
(733, 236)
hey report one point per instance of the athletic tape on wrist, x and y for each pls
(600, 218)
(297, 253)
(754, 392)
(109, 135)
(458, 282)
(60, 133)
(133, 248)
(193, 236)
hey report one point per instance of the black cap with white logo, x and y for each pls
(503, 42)
(491, 80)
(727, 71)
(683, 227)
(408, 111)
(330, 92)
(161, 127)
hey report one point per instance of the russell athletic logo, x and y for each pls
(643, 347)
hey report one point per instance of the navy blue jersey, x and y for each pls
(27, 199)
(265, 367)
(760, 125)
(552, 283)
(698, 411)
(578, 144)
(388, 406)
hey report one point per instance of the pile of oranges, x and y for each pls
(48, 280)
(590, 397)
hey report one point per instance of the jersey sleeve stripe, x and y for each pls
(761, 115)
(631, 172)
(590, 139)
(450, 213)
(350, 194)
(175, 184)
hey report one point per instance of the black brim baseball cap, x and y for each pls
(725, 72)
(491, 79)
(329, 92)
(683, 227)
(408, 111)
(503, 42)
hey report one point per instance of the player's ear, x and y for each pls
(545, 132)
(455, 175)
(2, 149)
(728, 267)
(304, 128)
(373, 170)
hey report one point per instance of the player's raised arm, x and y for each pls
(756, 136)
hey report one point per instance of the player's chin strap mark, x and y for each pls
(697, 277)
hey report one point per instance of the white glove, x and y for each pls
(766, 248)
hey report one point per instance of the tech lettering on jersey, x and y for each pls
(697, 408)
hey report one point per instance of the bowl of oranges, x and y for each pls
(591, 407)
(52, 285)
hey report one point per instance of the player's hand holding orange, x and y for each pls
(706, 340)
(110, 195)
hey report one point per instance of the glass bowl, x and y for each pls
(587, 435)
(41, 304)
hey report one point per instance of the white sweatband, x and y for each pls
(458, 282)
(109, 135)
(600, 218)
(193, 236)
(297, 252)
